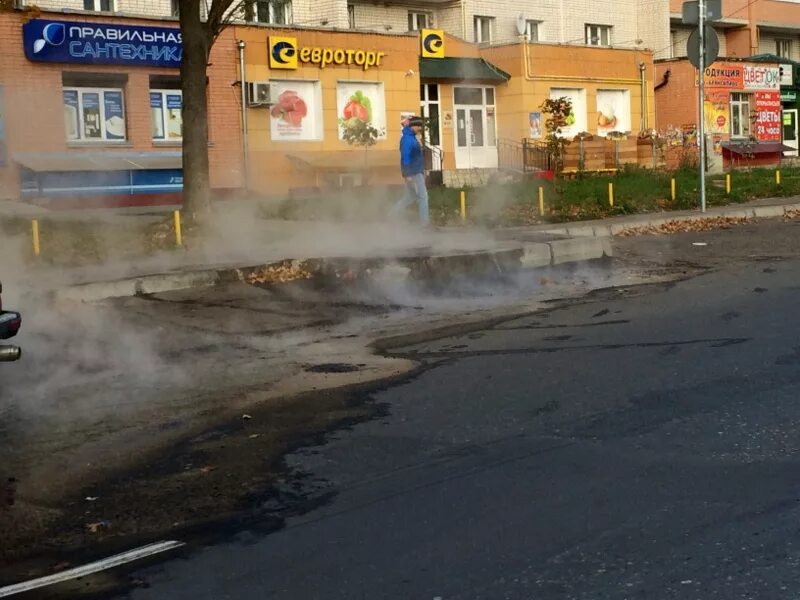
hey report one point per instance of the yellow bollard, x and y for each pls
(541, 201)
(178, 233)
(463, 206)
(35, 231)
(672, 188)
(728, 184)
(778, 177)
(611, 194)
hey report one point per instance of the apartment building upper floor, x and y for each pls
(747, 27)
(641, 24)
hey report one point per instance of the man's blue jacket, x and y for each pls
(411, 160)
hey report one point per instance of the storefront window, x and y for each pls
(598, 35)
(166, 109)
(360, 102)
(483, 29)
(418, 20)
(740, 115)
(532, 30)
(277, 12)
(99, 5)
(429, 96)
(94, 114)
(296, 115)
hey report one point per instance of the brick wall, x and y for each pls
(35, 113)
(146, 8)
(653, 26)
(320, 13)
(676, 102)
(449, 19)
(681, 38)
(379, 18)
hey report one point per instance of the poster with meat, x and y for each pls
(296, 114)
(768, 116)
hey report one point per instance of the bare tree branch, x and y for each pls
(216, 18)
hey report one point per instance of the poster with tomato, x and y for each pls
(576, 120)
(717, 112)
(360, 102)
(296, 112)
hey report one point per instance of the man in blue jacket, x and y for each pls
(412, 165)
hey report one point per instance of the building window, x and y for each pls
(598, 35)
(673, 43)
(276, 12)
(483, 29)
(429, 96)
(418, 20)
(94, 114)
(166, 110)
(174, 8)
(740, 115)
(532, 30)
(99, 5)
(783, 48)
(351, 16)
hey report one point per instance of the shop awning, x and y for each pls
(460, 69)
(772, 58)
(100, 161)
(755, 147)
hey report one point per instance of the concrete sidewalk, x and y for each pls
(240, 245)
(765, 208)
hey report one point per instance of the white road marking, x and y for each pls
(94, 567)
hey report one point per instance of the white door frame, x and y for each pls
(472, 156)
(425, 104)
(796, 142)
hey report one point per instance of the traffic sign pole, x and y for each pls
(701, 126)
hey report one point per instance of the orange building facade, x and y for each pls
(91, 107)
(477, 99)
(90, 111)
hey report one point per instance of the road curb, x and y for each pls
(602, 230)
(426, 269)
(580, 249)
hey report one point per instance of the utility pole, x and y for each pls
(701, 128)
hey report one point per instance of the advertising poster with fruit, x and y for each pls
(717, 112)
(295, 114)
(359, 103)
(768, 116)
(613, 111)
(576, 120)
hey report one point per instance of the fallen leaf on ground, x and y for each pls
(95, 527)
(686, 226)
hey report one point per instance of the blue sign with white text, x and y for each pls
(101, 44)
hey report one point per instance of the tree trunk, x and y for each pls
(196, 47)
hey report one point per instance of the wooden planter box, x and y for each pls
(619, 153)
(647, 159)
(594, 154)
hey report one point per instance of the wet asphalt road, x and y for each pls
(643, 444)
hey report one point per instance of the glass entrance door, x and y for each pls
(790, 132)
(476, 138)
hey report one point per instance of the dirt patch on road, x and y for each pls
(223, 476)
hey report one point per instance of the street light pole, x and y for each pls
(701, 98)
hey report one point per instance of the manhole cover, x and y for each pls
(333, 368)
